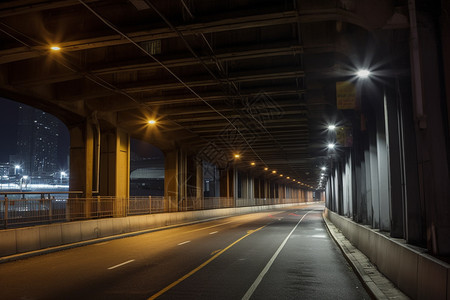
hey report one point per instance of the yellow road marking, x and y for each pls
(203, 264)
(214, 252)
(212, 226)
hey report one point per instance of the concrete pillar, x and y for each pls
(414, 216)
(433, 137)
(368, 182)
(81, 169)
(82, 158)
(347, 185)
(183, 180)
(227, 185)
(174, 175)
(397, 206)
(194, 184)
(373, 174)
(199, 180)
(115, 168)
(383, 172)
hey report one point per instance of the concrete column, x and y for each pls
(81, 169)
(383, 173)
(397, 207)
(373, 161)
(199, 180)
(357, 172)
(194, 183)
(227, 185)
(414, 216)
(173, 177)
(115, 168)
(433, 138)
(368, 181)
(82, 158)
(347, 182)
(340, 187)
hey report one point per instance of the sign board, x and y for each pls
(346, 95)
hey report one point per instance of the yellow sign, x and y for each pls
(345, 95)
(344, 136)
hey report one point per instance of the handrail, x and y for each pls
(40, 193)
(46, 209)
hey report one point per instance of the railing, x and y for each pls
(18, 209)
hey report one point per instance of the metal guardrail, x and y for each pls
(19, 209)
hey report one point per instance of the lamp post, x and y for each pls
(62, 175)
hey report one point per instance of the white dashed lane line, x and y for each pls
(119, 265)
(184, 243)
(214, 232)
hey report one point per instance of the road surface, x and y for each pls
(283, 254)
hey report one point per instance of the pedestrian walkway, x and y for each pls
(374, 281)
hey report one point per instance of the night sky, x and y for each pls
(8, 133)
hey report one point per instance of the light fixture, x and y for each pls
(237, 156)
(55, 48)
(323, 168)
(274, 172)
(152, 122)
(331, 146)
(288, 177)
(331, 127)
(363, 73)
(281, 175)
(266, 168)
(252, 163)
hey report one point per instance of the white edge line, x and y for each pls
(214, 232)
(258, 280)
(119, 265)
(183, 243)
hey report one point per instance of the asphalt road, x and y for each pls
(285, 254)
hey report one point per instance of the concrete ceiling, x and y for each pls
(220, 77)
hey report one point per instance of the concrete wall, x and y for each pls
(418, 275)
(13, 241)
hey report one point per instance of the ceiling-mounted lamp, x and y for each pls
(363, 73)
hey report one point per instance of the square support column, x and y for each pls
(115, 169)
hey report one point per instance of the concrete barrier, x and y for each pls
(417, 274)
(20, 240)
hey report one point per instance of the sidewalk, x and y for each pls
(376, 283)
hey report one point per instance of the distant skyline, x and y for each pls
(9, 133)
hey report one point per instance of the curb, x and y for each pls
(376, 284)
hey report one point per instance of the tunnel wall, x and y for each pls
(418, 275)
(20, 240)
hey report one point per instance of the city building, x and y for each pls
(37, 142)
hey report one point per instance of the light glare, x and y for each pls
(55, 48)
(363, 73)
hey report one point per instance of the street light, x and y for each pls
(16, 167)
(331, 146)
(63, 174)
(363, 73)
